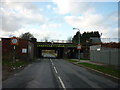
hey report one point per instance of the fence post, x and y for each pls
(93, 55)
(109, 57)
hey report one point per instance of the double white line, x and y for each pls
(61, 82)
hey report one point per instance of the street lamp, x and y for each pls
(78, 42)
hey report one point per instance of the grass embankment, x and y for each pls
(104, 69)
(15, 64)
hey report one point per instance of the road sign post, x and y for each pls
(14, 42)
(79, 47)
(14, 53)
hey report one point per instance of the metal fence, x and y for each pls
(104, 55)
(104, 40)
(107, 40)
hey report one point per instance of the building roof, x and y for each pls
(109, 45)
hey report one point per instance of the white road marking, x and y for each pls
(55, 69)
(52, 64)
(61, 83)
(50, 60)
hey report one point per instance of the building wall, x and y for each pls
(30, 50)
(23, 44)
(8, 50)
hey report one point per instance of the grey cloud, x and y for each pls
(10, 23)
(14, 17)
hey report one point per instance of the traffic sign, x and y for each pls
(78, 46)
(14, 41)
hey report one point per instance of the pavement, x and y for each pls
(57, 73)
(88, 61)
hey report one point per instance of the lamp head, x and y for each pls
(74, 28)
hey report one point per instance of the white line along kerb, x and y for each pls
(62, 83)
(55, 70)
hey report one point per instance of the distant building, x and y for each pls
(95, 40)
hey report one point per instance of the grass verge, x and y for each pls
(14, 64)
(104, 69)
(70, 60)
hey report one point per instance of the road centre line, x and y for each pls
(55, 69)
(54, 66)
(61, 83)
(52, 62)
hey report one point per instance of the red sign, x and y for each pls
(14, 41)
(78, 46)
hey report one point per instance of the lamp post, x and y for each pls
(78, 43)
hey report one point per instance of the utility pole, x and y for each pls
(14, 47)
(79, 46)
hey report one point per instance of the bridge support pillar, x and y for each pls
(62, 53)
(65, 50)
(39, 53)
(72, 53)
(58, 53)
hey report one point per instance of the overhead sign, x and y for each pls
(14, 41)
(78, 46)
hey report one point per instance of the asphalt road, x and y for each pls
(57, 73)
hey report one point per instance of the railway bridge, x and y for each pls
(62, 50)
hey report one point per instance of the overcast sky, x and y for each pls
(56, 19)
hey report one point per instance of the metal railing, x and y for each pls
(57, 41)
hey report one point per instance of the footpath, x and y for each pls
(87, 61)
